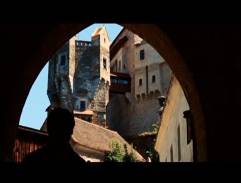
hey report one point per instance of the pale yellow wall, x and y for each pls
(152, 60)
(127, 51)
(104, 38)
(104, 53)
(127, 55)
(154, 70)
(140, 74)
(105, 73)
(151, 56)
(119, 59)
(172, 117)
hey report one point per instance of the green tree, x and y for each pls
(128, 157)
(117, 155)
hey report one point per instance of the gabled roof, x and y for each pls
(28, 130)
(86, 112)
(114, 49)
(97, 138)
(98, 30)
(114, 41)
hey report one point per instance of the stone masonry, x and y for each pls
(79, 75)
(136, 112)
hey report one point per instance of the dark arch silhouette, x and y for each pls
(189, 40)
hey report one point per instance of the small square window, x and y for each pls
(142, 55)
(82, 105)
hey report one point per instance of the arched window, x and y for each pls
(140, 82)
(153, 79)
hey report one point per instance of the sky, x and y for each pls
(33, 113)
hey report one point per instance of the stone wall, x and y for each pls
(136, 112)
(100, 101)
(84, 77)
(135, 117)
(165, 78)
(87, 73)
(59, 85)
(117, 113)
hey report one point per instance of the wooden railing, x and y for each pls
(27, 141)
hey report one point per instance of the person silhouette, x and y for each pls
(60, 125)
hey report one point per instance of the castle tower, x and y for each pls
(60, 77)
(92, 74)
(79, 75)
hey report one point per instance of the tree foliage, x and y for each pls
(117, 154)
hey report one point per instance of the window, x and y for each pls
(171, 153)
(104, 63)
(140, 82)
(142, 55)
(124, 67)
(62, 60)
(114, 81)
(82, 105)
(116, 65)
(179, 143)
(153, 79)
(119, 66)
(188, 116)
(122, 81)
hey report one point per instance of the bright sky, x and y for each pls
(33, 114)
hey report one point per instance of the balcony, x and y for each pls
(120, 83)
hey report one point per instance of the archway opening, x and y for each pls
(171, 56)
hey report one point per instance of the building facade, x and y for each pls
(79, 75)
(134, 112)
(174, 141)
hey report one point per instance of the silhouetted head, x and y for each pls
(60, 124)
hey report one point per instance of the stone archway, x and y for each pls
(55, 37)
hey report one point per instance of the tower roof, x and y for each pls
(96, 32)
(99, 30)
